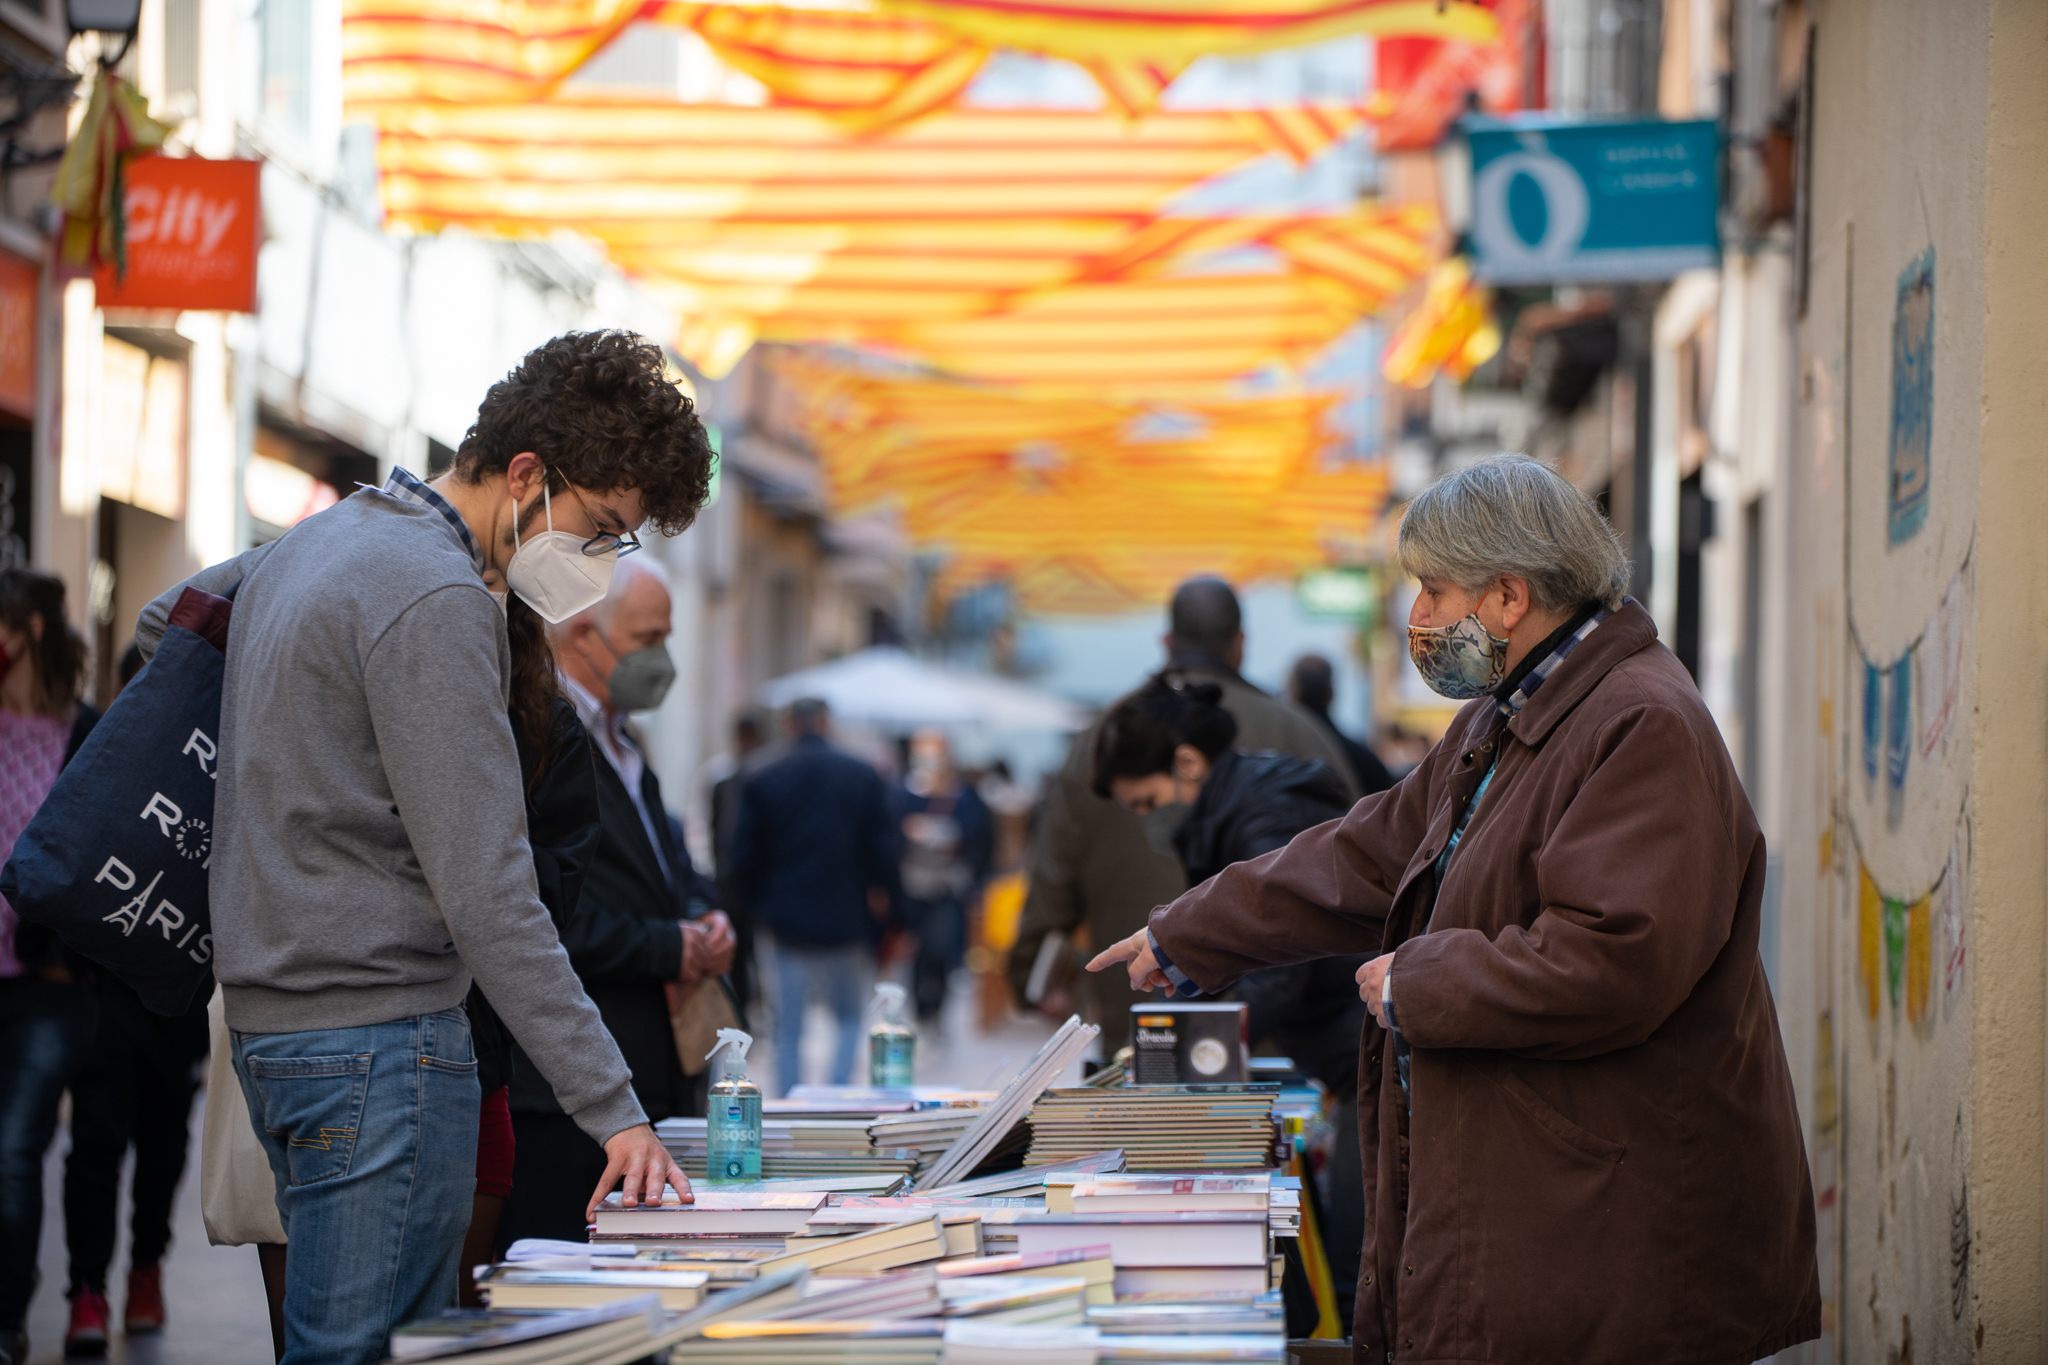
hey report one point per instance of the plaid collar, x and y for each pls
(406, 488)
(1511, 705)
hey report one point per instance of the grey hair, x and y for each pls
(1511, 514)
(628, 568)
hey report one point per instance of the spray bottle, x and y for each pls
(733, 1129)
(892, 1044)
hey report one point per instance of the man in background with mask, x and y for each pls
(369, 850)
(1096, 869)
(644, 923)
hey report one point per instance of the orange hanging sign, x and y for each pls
(17, 336)
(193, 229)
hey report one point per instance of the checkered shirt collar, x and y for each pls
(1512, 705)
(404, 486)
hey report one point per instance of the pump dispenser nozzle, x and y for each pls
(736, 1042)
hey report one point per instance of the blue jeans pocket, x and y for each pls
(314, 1107)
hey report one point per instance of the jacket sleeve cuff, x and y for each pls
(665, 945)
(614, 1113)
(1182, 984)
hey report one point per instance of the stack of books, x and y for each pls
(985, 1343)
(1091, 1265)
(905, 1239)
(928, 1132)
(1158, 1127)
(1058, 1301)
(1213, 1327)
(620, 1331)
(995, 1120)
(1181, 1192)
(1160, 1252)
(804, 1148)
(719, 1227)
(888, 1320)
(527, 1286)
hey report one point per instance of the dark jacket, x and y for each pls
(1090, 866)
(1250, 805)
(1603, 1161)
(626, 944)
(562, 829)
(1372, 774)
(814, 834)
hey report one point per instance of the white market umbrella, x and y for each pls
(887, 688)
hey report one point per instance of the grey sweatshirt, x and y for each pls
(370, 827)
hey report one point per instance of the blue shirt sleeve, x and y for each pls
(1182, 984)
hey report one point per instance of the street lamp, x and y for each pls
(107, 18)
(103, 16)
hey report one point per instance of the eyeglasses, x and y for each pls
(604, 542)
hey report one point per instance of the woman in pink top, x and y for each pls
(46, 1015)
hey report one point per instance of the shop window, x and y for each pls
(293, 474)
(287, 37)
(139, 446)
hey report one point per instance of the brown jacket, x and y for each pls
(1604, 1160)
(1091, 866)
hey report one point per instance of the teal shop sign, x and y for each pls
(1568, 201)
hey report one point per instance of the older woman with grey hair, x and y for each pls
(1577, 1124)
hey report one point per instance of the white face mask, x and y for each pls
(551, 573)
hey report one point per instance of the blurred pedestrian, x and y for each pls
(1584, 1140)
(816, 854)
(1165, 754)
(1094, 877)
(46, 1004)
(749, 751)
(134, 1086)
(1311, 685)
(948, 847)
(645, 920)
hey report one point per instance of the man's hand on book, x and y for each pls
(639, 1165)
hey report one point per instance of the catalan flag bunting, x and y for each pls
(970, 238)
(1084, 505)
(872, 62)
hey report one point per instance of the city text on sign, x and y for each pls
(193, 230)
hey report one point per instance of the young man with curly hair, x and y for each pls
(370, 851)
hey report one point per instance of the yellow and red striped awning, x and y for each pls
(870, 62)
(1003, 245)
(1085, 504)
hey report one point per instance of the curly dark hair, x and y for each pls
(599, 410)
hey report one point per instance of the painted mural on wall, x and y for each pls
(1912, 422)
(1911, 943)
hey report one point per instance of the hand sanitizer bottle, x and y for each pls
(892, 1044)
(732, 1130)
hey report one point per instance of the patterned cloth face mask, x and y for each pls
(1462, 660)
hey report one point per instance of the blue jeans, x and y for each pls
(843, 976)
(371, 1135)
(44, 1031)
